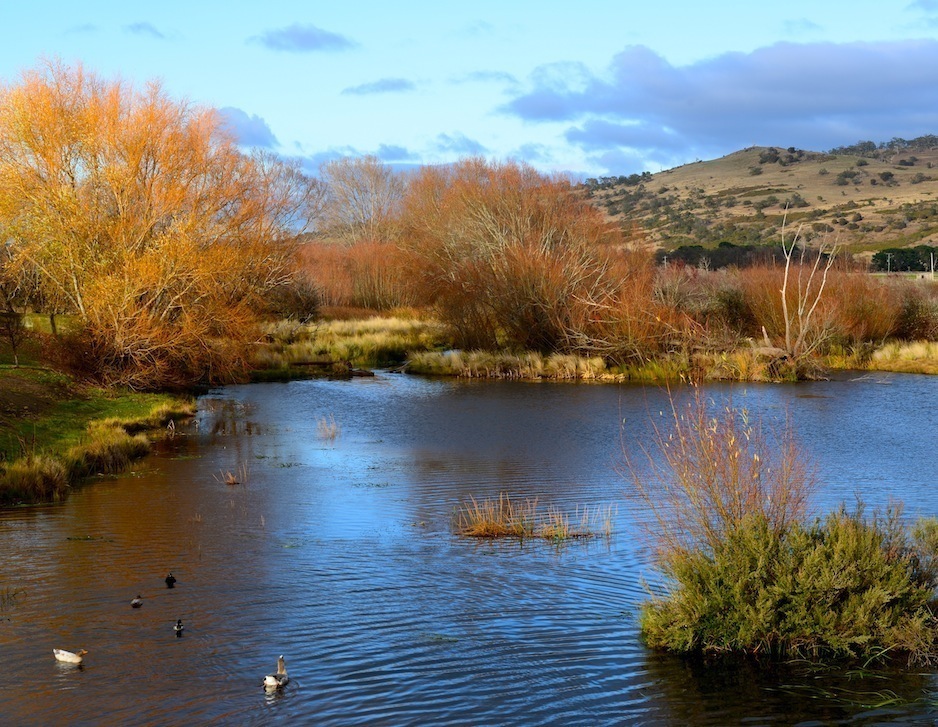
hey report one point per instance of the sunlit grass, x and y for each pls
(372, 342)
(503, 517)
(920, 357)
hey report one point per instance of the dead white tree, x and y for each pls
(803, 332)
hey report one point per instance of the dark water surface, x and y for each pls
(340, 555)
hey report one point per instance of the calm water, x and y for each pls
(340, 555)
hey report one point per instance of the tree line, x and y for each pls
(139, 218)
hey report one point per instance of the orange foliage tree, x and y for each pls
(141, 215)
(512, 258)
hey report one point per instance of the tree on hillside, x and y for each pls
(139, 214)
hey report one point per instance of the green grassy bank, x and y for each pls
(55, 431)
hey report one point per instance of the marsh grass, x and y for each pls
(920, 357)
(373, 342)
(107, 449)
(239, 476)
(494, 365)
(503, 517)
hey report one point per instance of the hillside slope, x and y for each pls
(885, 198)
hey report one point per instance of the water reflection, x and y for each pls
(339, 553)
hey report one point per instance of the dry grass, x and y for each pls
(239, 476)
(710, 470)
(503, 517)
(919, 357)
(375, 341)
(327, 428)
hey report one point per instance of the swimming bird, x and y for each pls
(178, 628)
(137, 602)
(280, 679)
(170, 581)
(69, 657)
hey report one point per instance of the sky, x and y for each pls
(588, 88)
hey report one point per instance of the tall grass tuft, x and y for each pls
(38, 478)
(327, 428)
(497, 518)
(712, 467)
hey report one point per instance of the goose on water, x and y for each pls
(69, 657)
(280, 679)
(137, 602)
(170, 581)
(178, 627)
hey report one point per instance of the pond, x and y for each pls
(339, 552)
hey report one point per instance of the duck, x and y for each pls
(69, 657)
(280, 679)
(178, 627)
(170, 581)
(136, 602)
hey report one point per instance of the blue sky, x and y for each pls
(593, 87)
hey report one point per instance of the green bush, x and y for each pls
(847, 587)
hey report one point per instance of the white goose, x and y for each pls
(69, 657)
(280, 679)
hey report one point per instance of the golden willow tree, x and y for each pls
(140, 216)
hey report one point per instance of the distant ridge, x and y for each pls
(868, 196)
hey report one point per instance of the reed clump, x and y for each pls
(747, 573)
(109, 449)
(503, 517)
(328, 428)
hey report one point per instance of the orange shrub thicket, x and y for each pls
(139, 215)
(366, 275)
(510, 258)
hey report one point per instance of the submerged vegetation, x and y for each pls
(747, 573)
(503, 517)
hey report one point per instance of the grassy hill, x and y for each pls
(865, 199)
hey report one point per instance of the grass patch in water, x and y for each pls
(503, 517)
